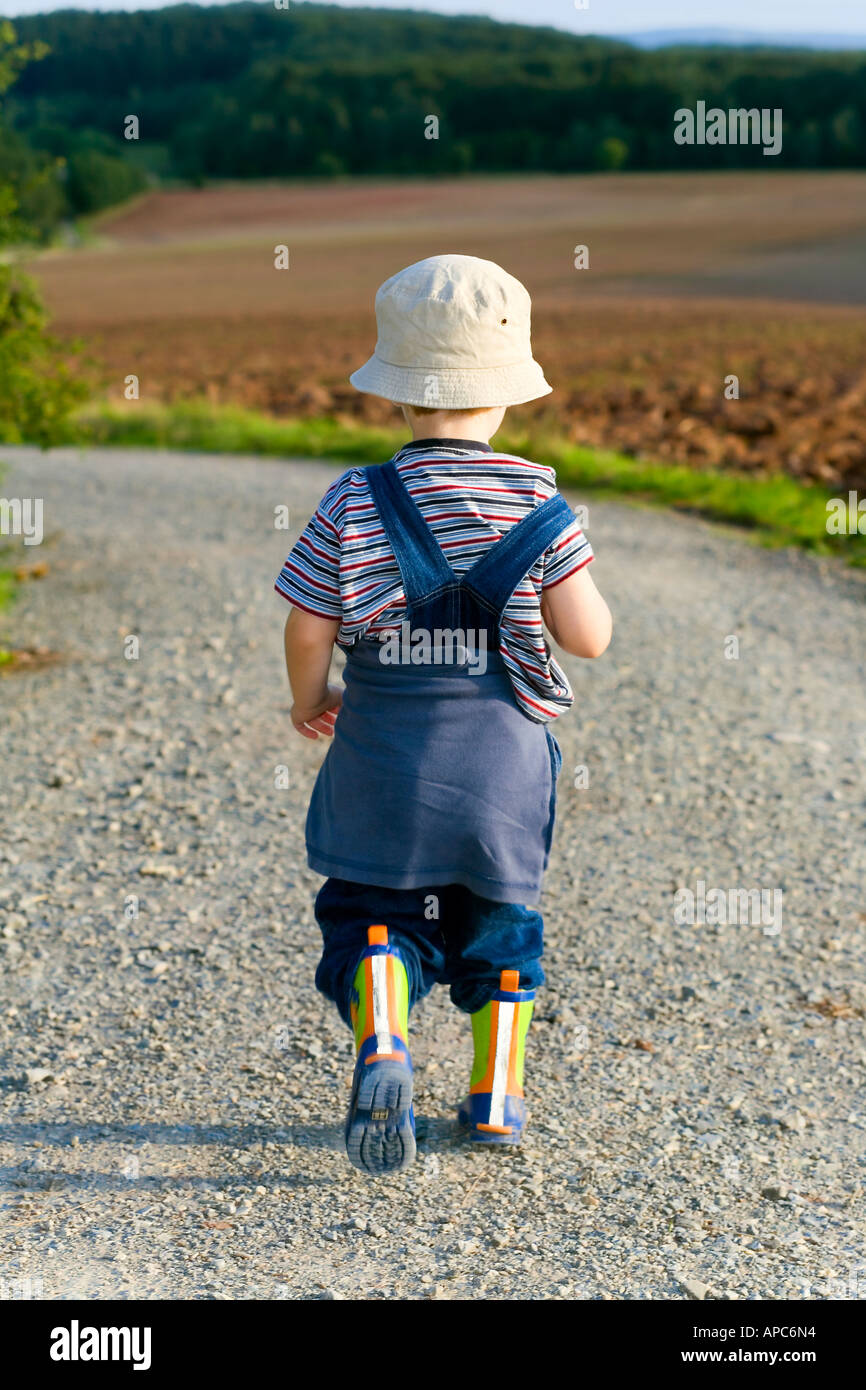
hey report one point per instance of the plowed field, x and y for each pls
(691, 279)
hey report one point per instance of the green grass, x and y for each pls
(7, 589)
(777, 510)
(231, 430)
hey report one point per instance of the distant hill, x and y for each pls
(740, 38)
(249, 91)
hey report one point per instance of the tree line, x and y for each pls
(251, 91)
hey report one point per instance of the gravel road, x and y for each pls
(173, 1088)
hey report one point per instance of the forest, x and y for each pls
(252, 91)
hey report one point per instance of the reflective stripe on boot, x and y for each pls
(495, 1110)
(379, 1004)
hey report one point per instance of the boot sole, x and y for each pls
(480, 1136)
(379, 1131)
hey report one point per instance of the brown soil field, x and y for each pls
(691, 278)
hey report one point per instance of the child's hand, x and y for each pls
(320, 718)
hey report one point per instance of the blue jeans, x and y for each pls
(465, 946)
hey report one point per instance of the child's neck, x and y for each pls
(478, 428)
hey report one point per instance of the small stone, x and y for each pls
(793, 1121)
(467, 1247)
(775, 1192)
(33, 1075)
(694, 1288)
(152, 870)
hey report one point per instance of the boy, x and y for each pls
(432, 814)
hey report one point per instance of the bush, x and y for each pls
(96, 180)
(38, 389)
(612, 153)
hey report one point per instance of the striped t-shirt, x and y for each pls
(343, 566)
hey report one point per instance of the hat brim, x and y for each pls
(452, 388)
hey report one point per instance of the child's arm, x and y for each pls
(576, 615)
(309, 647)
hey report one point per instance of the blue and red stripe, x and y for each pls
(342, 566)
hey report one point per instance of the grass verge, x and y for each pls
(777, 510)
(7, 589)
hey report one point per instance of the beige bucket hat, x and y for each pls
(453, 334)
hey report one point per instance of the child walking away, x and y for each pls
(432, 814)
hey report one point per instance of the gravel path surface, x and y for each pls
(172, 1088)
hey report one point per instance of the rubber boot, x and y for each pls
(494, 1112)
(380, 1126)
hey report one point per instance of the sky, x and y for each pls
(602, 16)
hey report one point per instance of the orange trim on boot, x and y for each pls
(511, 1085)
(486, 1082)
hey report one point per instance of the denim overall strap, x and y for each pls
(494, 577)
(423, 567)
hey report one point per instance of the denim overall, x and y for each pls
(435, 776)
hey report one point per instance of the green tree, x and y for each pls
(38, 387)
(612, 153)
(97, 180)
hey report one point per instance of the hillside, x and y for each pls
(247, 91)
